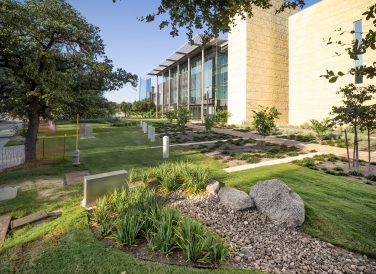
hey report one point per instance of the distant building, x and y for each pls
(268, 60)
(144, 88)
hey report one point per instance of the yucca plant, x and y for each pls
(164, 237)
(129, 228)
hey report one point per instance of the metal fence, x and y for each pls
(11, 156)
(48, 149)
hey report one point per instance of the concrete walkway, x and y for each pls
(324, 149)
(271, 162)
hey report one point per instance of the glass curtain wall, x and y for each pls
(195, 94)
(174, 88)
(183, 84)
(165, 91)
(221, 80)
(209, 81)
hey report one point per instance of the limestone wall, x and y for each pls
(311, 96)
(267, 64)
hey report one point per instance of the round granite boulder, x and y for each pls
(278, 202)
(235, 199)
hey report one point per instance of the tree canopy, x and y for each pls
(211, 16)
(52, 62)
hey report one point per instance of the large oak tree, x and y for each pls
(52, 63)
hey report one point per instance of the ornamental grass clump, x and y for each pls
(181, 175)
(198, 245)
(129, 228)
(163, 237)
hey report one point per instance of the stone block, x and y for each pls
(103, 183)
(7, 193)
(34, 217)
(75, 177)
(4, 225)
(86, 131)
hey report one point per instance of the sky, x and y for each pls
(132, 45)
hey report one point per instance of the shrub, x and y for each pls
(209, 123)
(355, 173)
(221, 116)
(320, 127)
(337, 168)
(371, 177)
(182, 117)
(264, 120)
(170, 115)
(292, 153)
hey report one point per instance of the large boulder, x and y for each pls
(235, 199)
(278, 202)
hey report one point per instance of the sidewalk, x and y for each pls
(323, 149)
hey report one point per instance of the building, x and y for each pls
(312, 96)
(194, 76)
(269, 60)
(144, 88)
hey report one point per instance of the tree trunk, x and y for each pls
(347, 149)
(31, 137)
(356, 148)
(369, 150)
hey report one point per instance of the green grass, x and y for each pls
(338, 210)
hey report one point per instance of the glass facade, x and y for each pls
(183, 84)
(174, 88)
(166, 92)
(187, 89)
(358, 29)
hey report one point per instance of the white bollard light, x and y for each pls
(141, 124)
(166, 147)
(152, 134)
(145, 127)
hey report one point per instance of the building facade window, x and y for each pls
(165, 90)
(183, 84)
(174, 88)
(195, 81)
(358, 30)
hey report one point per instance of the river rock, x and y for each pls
(278, 202)
(235, 199)
(213, 187)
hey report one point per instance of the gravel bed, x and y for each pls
(259, 244)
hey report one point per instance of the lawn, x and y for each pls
(338, 210)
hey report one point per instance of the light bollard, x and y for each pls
(166, 147)
(76, 158)
(152, 134)
(141, 124)
(145, 127)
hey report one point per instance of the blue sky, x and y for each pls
(133, 45)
